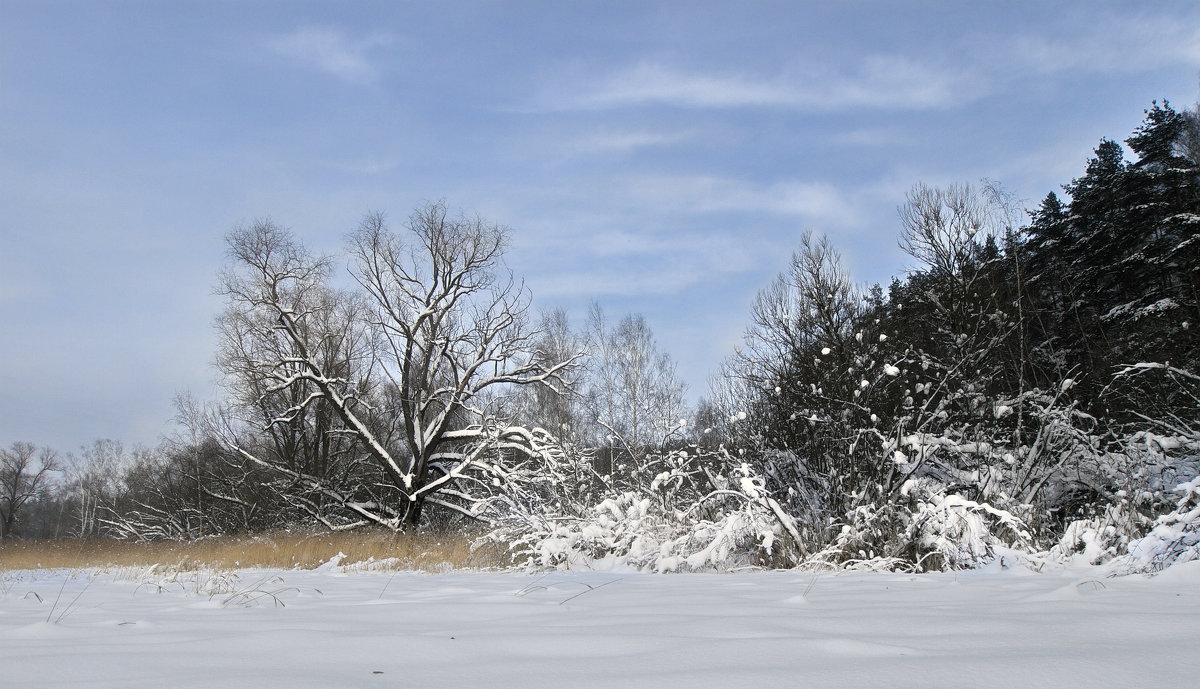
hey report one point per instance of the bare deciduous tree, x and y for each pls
(941, 226)
(796, 380)
(94, 477)
(810, 307)
(282, 315)
(453, 332)
(447, 329)
(635, 396)
(25, 472)
(559, 411)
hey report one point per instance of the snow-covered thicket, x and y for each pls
(985, 403)
(1032, 384)
(1175, 537)
(1031, 474)
(676, 510)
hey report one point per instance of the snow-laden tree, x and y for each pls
(415, 417)
(453, 333)
(283, 321)
(1114, 270)
(797, 397)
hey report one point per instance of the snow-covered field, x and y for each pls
(329, 628)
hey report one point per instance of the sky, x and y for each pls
(655, 158)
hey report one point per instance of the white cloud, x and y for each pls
(1113, 44)
(627, 264)
(656, 240)
(815, 202)
(664, 234)
(614, 280)
(893, 82)
(632, 251)
(876, 82)
(624, 142)
(329, 50)
(654, 83)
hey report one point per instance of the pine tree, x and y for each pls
(1163, 270)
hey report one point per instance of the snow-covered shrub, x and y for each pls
(1164, 472)
(924, 529)
(625, 526)
(1099, 539)
(952, 532)
(870, 537)
(1132, 486)
(752, 528)
(1174, 539)
(665, 526)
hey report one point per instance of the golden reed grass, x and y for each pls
(428, 552)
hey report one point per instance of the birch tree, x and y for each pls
(94, 481)
(635, 397)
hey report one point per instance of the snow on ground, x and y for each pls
(327, 628)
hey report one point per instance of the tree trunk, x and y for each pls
(412, 516)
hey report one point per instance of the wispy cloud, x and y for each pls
(623, 142)
(1113, 43)
(331, 51)
(639, 263)
(619, 281)
(665, 234)
(814, 202)
(875, 82)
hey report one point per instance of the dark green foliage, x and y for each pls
(1002, 349)
(1115, 274)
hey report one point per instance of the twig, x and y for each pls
(56, 598)
(70, 606)
(388, 583)
(590, 588)
(532, 586)
(811, 585)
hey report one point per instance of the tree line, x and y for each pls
(1031, 384)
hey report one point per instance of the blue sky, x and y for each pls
(661, 158)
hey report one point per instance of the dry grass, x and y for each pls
(427, 552)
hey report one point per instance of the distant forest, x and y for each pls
(1033, 387)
